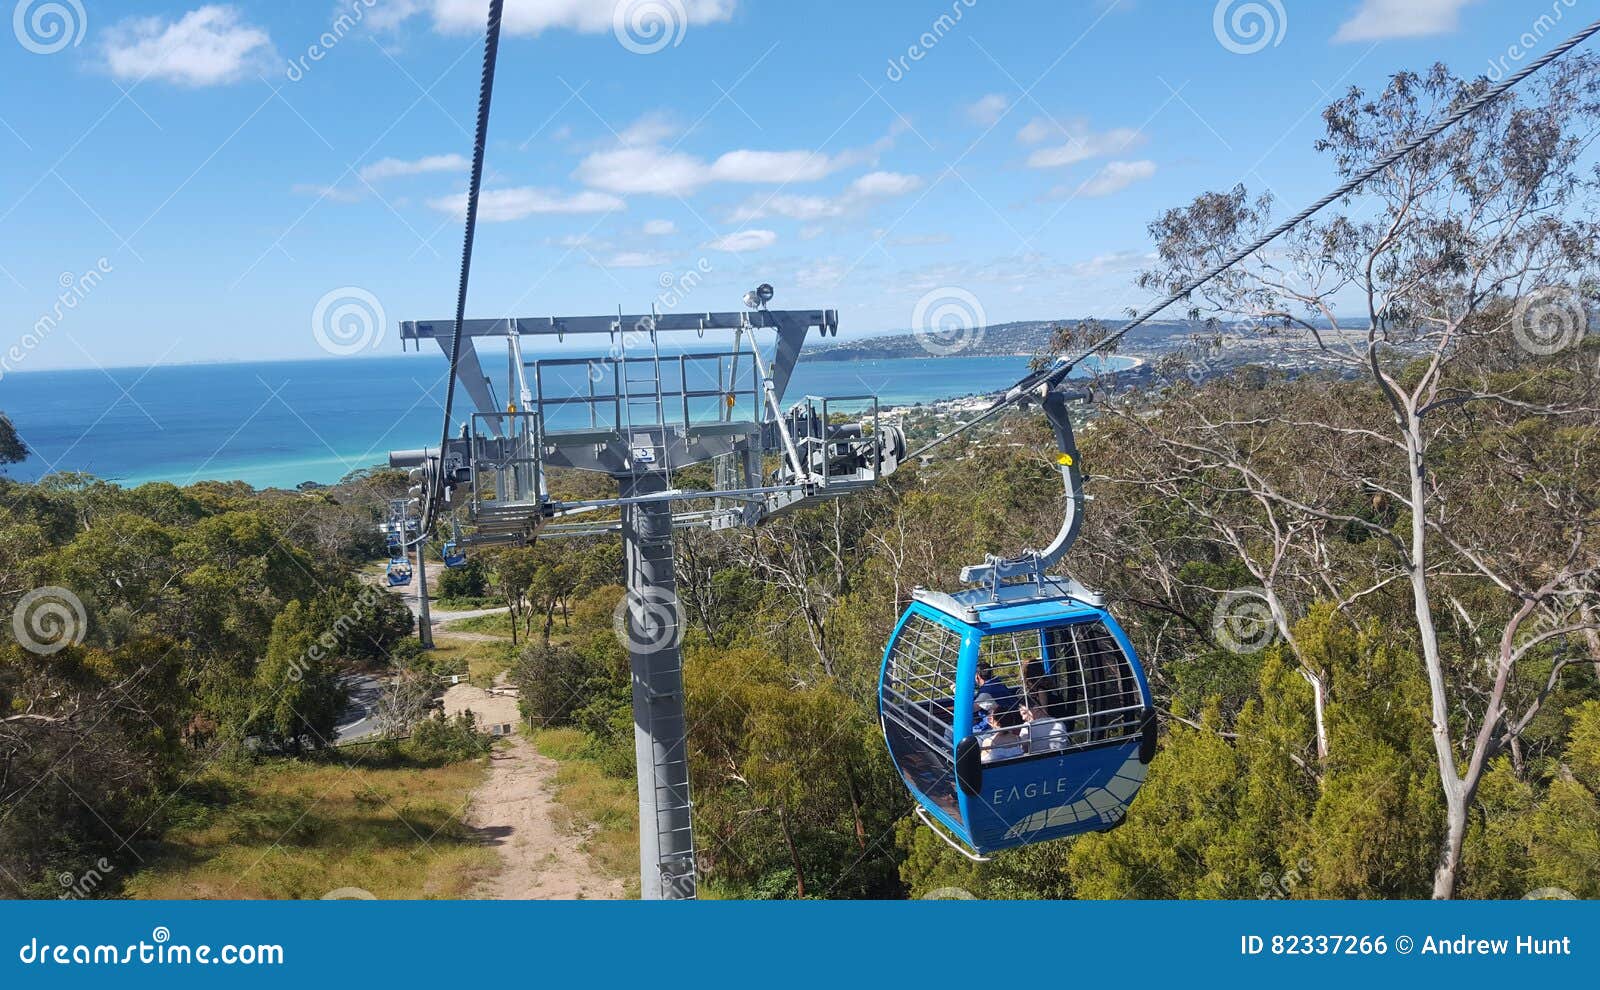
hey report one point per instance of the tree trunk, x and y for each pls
(855, 806)
(794, 854)
(1593, 636)
(1444, 878)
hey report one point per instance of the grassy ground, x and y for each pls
(464, 604)
(498, 624)
(605, 807)
(484, 661)
(287, 829)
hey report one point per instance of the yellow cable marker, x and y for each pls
(1065, 460)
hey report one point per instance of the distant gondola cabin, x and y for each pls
(1015, 721)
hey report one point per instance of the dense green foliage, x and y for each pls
(786, 626)
(1414, 506)
(158, 628)
(12, 449)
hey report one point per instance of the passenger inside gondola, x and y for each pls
(1041, 734)
(988, 683)
(1001, 736)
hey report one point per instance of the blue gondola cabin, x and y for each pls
(1015, 721)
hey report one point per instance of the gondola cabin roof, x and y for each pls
(1015, 606)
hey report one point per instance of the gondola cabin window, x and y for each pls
(918, 706)
(1053, 690)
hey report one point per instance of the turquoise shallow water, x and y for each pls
(283, 423)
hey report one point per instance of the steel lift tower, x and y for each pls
(642, 415)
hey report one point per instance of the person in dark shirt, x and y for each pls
(990, 683)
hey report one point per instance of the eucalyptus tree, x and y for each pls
(1459, 286)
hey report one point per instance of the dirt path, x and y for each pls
(541, 859)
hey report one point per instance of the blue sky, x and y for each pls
(215, 179)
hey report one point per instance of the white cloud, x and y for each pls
(777, 167)
(863, 191)
(1081, 142)
(636, 259)
(392, 168)
(787, 205)
(912, 240)
(327, 192)
(986, 111)
(660, 228)
(505, 205)
(824, 273)
(390, 14)
(744, 240)
(205, 47)
(1115, 263)
(639, 162)
(531, 17)
(1381, 19)
(652, 128)
(1115, 177)
(882, 185)
(655, 170)
(1039, 129)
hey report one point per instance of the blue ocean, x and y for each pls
(280, 424)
